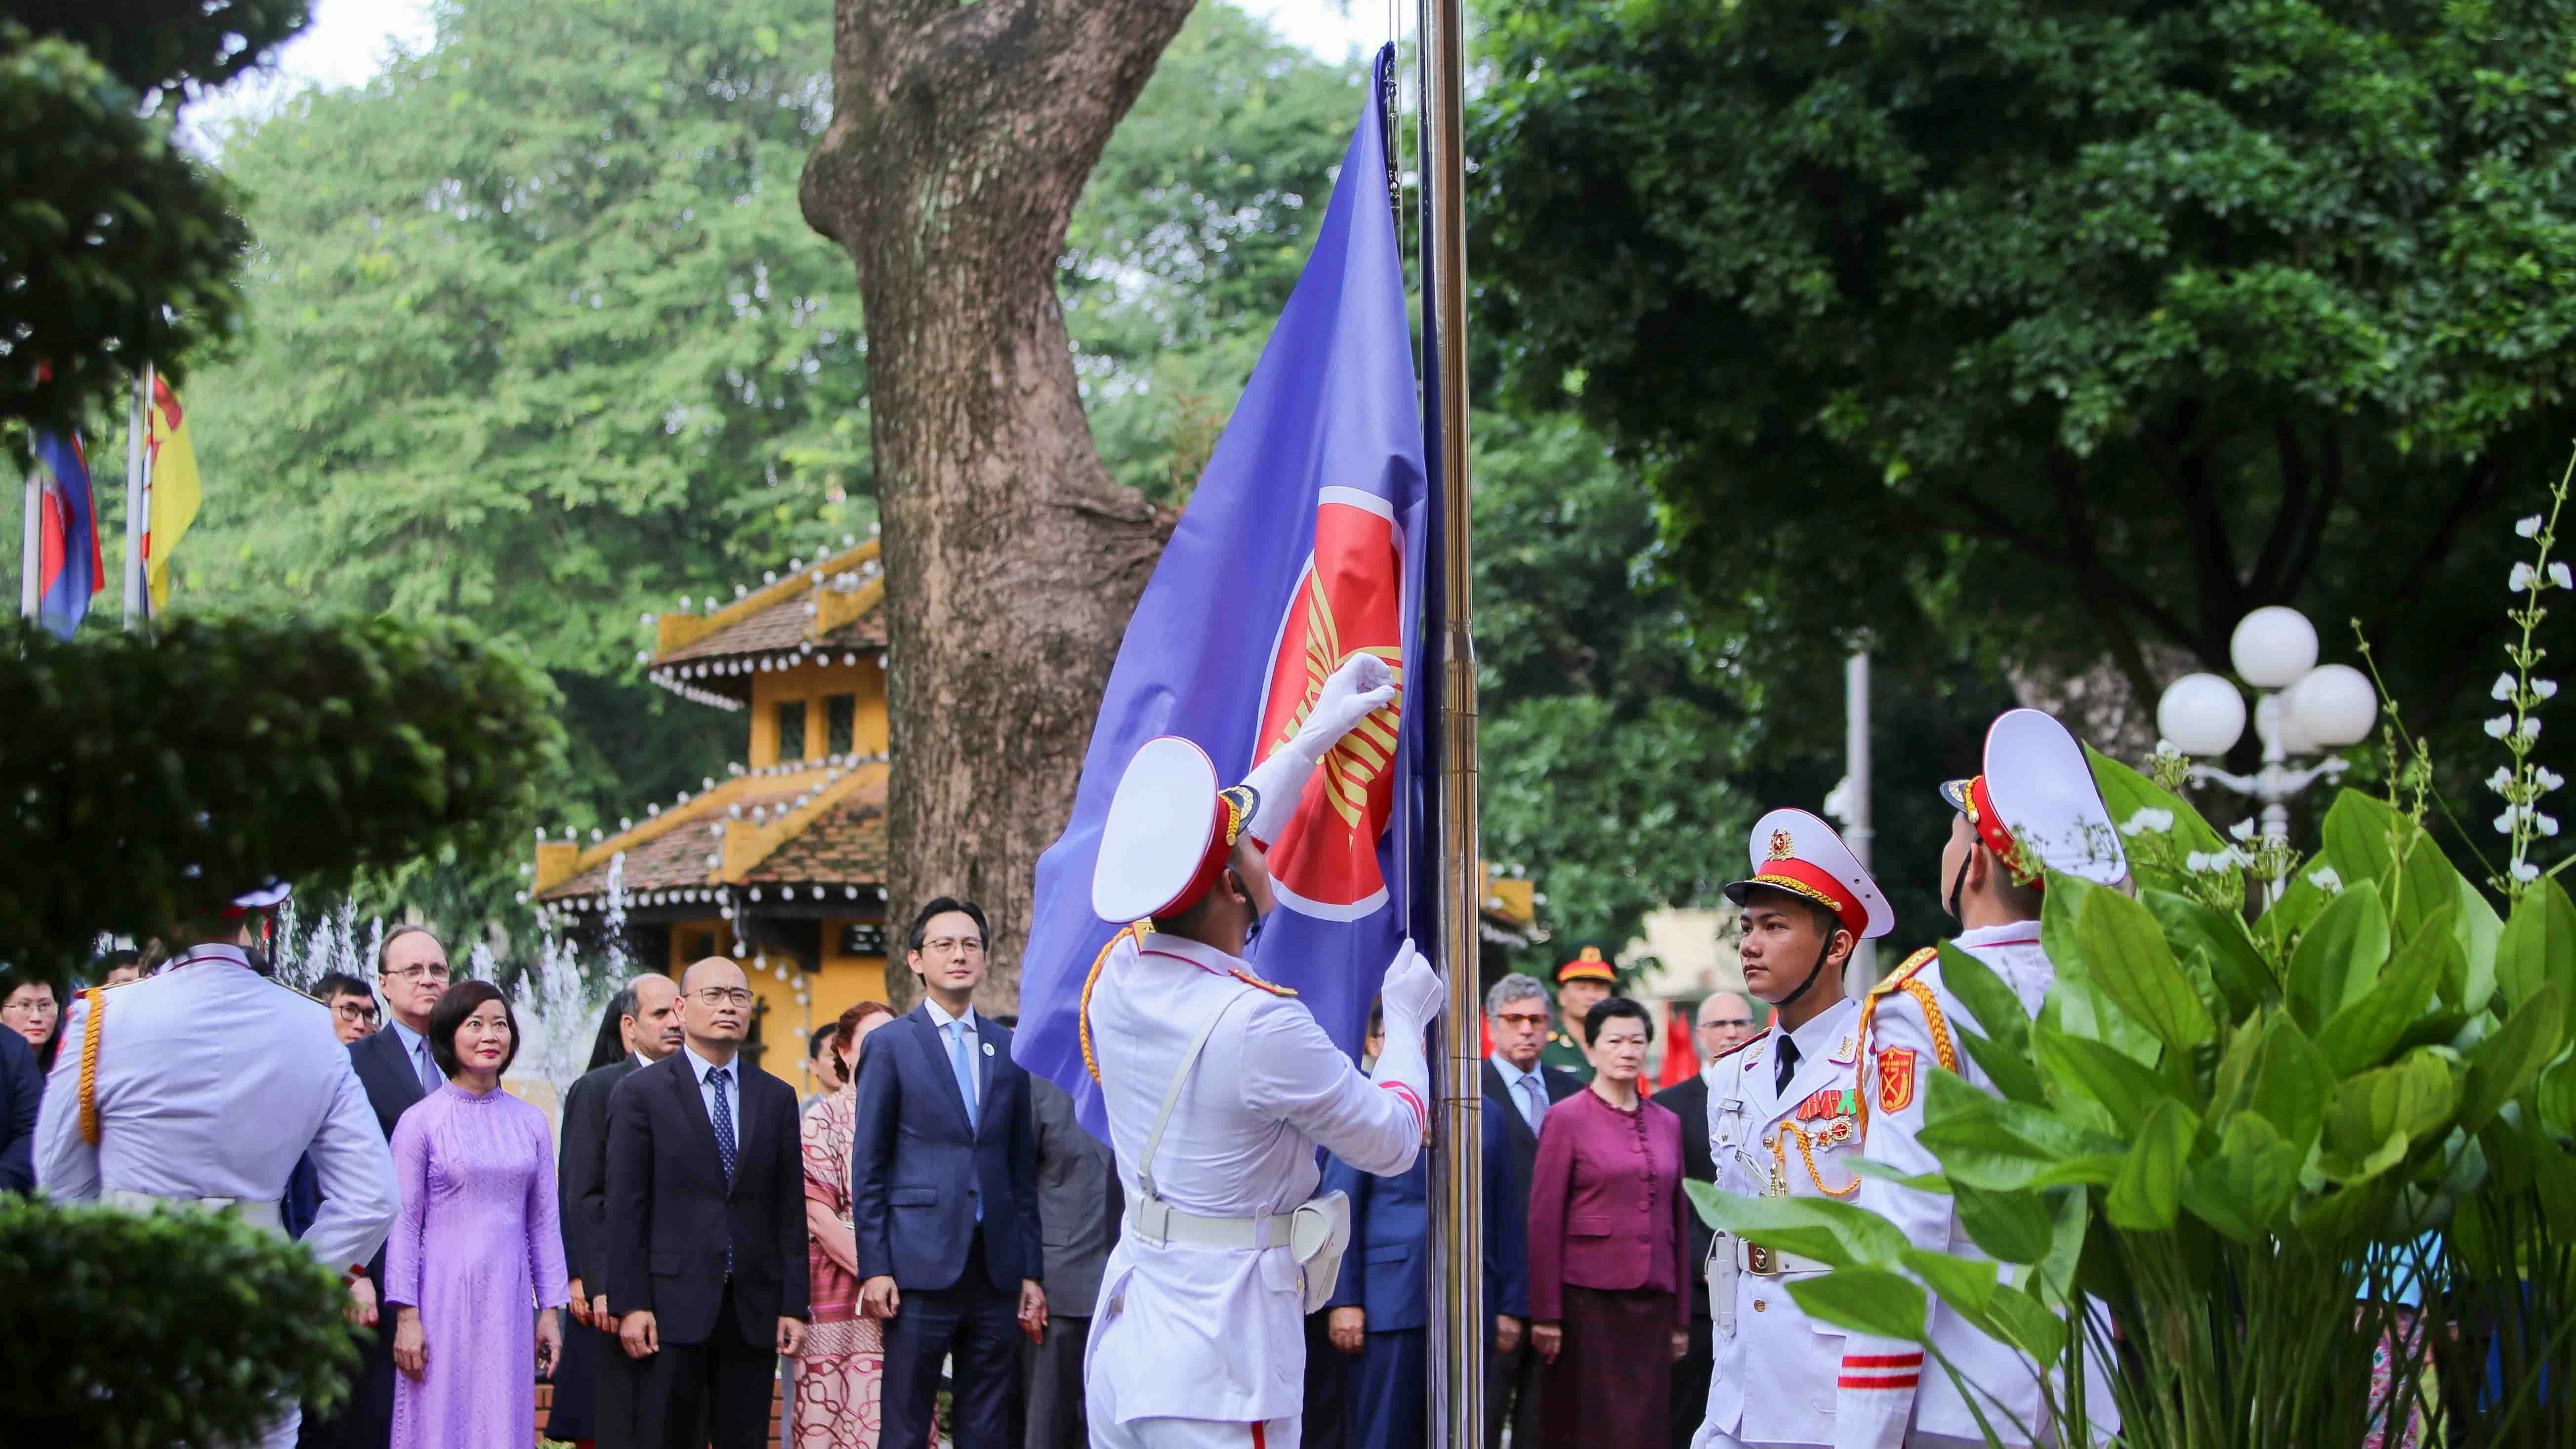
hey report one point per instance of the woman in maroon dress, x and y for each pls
(1606, 1248)
(839, 1378)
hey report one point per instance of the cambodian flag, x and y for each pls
(1302, 546)
(68, 566)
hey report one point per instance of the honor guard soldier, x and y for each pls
(1782, 1122)
(1581, 984)
(2035, 809)
(201, 1086)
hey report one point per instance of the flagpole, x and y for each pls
(138, 495)
(31, 547)
(1458, 1396)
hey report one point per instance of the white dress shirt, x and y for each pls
(1520, 1084)
(705, 1071)
(415, 1051)
(973, 1086)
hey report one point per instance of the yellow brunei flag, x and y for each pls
(174, 488)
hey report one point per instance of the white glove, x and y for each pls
(1413, 994)
(1362, 686)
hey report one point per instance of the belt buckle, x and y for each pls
(1761, 1260)
(1153, 1218)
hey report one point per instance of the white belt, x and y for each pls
(258, 1214)
(1770, 1263)
(1159, 1223)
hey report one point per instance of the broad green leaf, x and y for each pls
(1889, 1172)
(2506, 1062)
(2364, 839)
(2060, 907)
(2339, 957)
(2285, 920)
(2150, 1181)
(2350, 1169)
(2056, 1272)
(1998, 1011)
(1820, 1228)
(2291, 1085)
(2123, 1087)
(2364, 1032)
(2011, 1226)
(2243, 1189)
(2126, 955)
(2093, 1169)
(2027, 1324)
(2235, 962)
(2125, 793)
(2555, 1095)
(2411, 1100)
(1872, 1301)
(2538, 946)
(2479, 933)
(1966, 1284)
(2013, 1074)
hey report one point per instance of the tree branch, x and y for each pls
(2281, 539)
(2331, 466)
(2066, 474)
(2000, 527)
(2472, 498)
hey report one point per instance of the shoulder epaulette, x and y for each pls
(1906, 978)
(1273, 987)
(1739, 1046)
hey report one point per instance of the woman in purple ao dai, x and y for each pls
(474, 1270)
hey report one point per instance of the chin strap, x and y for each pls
(1812, 973)
(1959, 883)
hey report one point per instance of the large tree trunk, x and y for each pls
(961, 137)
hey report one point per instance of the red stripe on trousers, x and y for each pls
(1861, 1381)
(1260, 1435)
(1881, 1360)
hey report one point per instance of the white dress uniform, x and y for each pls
(2037, 801)
(1772, 1376)
(209, 1082)
(1219, 1087)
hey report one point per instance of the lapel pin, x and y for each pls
(988, 1049)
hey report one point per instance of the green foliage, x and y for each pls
(156, 45)
(129, 1331)
(150, 779)
(2288, 1125)
(115, 248)
(2062, 332)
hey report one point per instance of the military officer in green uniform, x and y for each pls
(1581, 984)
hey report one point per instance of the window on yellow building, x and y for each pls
(791, 729)
(840, 723)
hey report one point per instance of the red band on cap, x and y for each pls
(1819, 885)
(1220, 849)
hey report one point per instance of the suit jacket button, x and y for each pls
(1761, 1305)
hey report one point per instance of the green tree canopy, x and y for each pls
(2062, 333)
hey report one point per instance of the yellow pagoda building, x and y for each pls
(781, 864)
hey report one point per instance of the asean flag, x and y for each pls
(69, 570)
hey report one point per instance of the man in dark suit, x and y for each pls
(1723, 1020)
(705, 1224)
(647, 1010)
(1518, 1088)
(943, 1193)
(1079, 1207)
(394, 1066)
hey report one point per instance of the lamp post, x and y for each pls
(2301, 709)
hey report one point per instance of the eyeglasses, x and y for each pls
(355, 1010)
(971, 945)
(722, 996)
(435, 971)
(1728, 1021)
(1523, 1019)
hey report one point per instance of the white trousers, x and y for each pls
(1712, 1437)
(281, 1435)
(1101, 1408)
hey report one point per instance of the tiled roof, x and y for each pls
(675, 857)
(845, 845)
(779, 627)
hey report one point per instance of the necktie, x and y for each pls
(430, 1080)
(1533, 1102)
(723, 1116)
(964, 1066)
(1784, 1065)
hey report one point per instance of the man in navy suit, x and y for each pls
(944, 1193)
(1518, 1089)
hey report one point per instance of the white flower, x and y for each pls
(2559, 575)
(2501, 781)
(2528, 527)
(2504, 823)
(2147, 820)
(2242, 830)
(2325, 879)
(2203, 864)
(2500, 726)
(2525, 871)
(2530, 727)
(2545, 688)
(2548, 823)
(2549, 779)
(2504, 687)
(2519, 579)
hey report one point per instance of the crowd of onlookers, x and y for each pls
(932, 1219)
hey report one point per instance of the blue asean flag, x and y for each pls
(1302, 546)
(68, 567)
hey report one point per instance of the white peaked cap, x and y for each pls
(261, 899)
(1168, 833)
(1796, 852)
(2040, 790)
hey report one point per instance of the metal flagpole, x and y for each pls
(1458, 1388)
(31, 549)
(1863, 971)
(138, 498)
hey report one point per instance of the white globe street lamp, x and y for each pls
(2301, 709)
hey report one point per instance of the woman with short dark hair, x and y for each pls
(1607, 1248)
(478, 1244)
(840, 1380)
